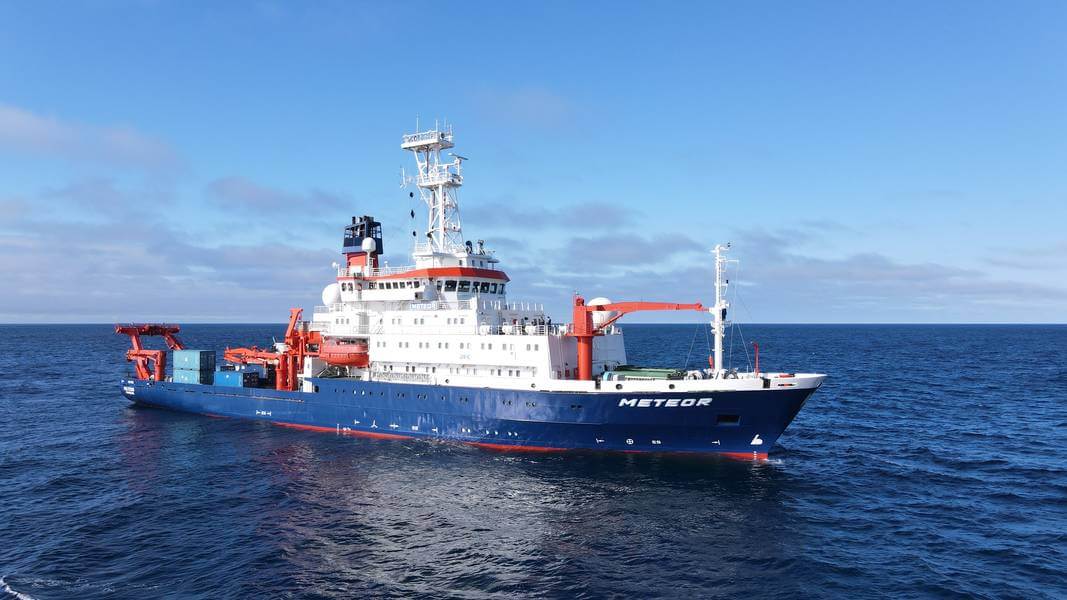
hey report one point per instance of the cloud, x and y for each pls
(529, 104)
(1051, 257)
(621, 249)
(865, 287)
(25, 132)
(578, 215)
(244, 193)
(13, 209)
(777, 281)
(59, 267)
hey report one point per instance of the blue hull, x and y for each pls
(744, 424)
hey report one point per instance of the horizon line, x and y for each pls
(282, 323)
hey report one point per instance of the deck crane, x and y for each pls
(583, 329)
(142, 358)
(287, 358)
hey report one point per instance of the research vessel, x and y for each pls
(437, 350)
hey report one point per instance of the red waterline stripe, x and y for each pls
(745, 455)
(515, 448)
(369, 434)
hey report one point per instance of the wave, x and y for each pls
(9, 591)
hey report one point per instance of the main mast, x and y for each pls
(718, 311)
(438, 183)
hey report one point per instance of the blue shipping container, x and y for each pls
(237, 378)
(193, 376)
(196, 360)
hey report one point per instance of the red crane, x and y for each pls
(287, 363)
(141, 358)
(583, 330)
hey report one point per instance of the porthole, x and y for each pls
(618, 386)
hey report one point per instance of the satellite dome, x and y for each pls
(331, 294)
(600, 316)
(369, 245)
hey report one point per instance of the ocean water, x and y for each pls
(932, 463)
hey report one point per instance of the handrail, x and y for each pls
(400, 376)
(381, 271)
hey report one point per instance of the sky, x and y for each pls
(900, 162)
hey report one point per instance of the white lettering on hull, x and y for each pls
(664, 402)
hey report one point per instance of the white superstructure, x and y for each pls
(446, 319)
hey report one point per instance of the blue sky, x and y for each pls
(195, 161)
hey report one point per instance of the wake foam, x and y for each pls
(8, 591)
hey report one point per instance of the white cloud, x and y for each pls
(229, 191)
(26, 133)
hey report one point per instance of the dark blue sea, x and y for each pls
(932, 463)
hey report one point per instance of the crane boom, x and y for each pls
(583, 330)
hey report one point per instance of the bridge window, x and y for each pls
(485, 287)
(501, 288)
(464, 286)
(492, 288)
(450, 285)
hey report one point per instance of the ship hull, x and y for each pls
(742, 424)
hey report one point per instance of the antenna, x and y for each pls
(718, 311)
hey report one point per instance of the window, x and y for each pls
(492, 288)
(501, 288)
(527, 347)
(417, 284)
(485, 287)
(439, 285)
(450, 285)
(464, 286)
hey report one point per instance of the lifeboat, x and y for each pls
(346, 354)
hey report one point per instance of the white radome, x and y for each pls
(369, 245)
(601, 315)
(331, 294)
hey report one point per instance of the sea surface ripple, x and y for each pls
(932, 463)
